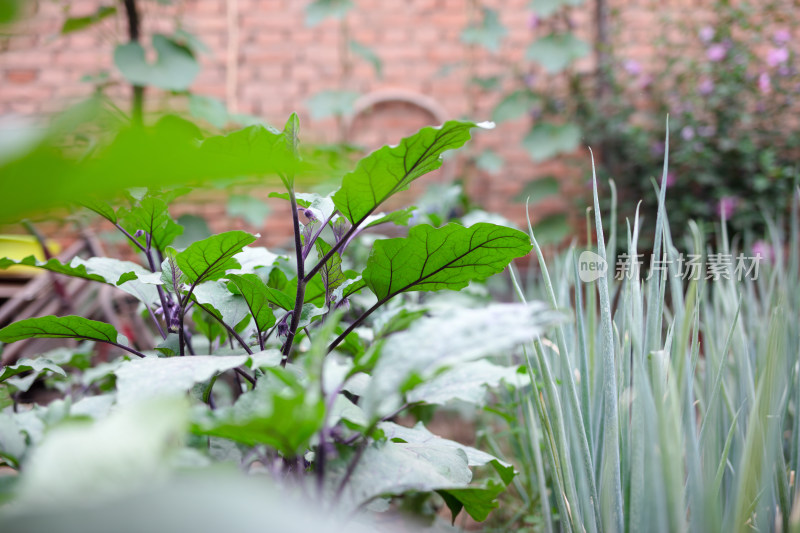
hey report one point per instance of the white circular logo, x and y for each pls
(591, 266)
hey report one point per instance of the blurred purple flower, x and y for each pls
(727, 206)
(706, 34)
(716, 52)
(764, 83)
(670, 179)
(764, 250)
(784, 71)
(781, 37)
(632, 67)
(645, 81)
(706, 131)
(706, 86)
(533, 22)
(777, 56)
(657, 148)
(687, 133)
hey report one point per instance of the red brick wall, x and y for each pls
(264, 61)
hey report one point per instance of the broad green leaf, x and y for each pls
(257, 295)
(208, 500)
(466, 382)
(490, 161)
(253, 259)
(391, 169)
(489, 33)
(368, 55)
(231, 308)
(399, 217)
(399, 321)
(280, 412)
(553, 229)
(441, 258)
(79, 23)
(195, 228)
(331, 273)
(546, 140)
(151, 377)
(419, 434)
(321, 206)
(448, 339)
(174, 70)
(165, 153)
(249, 151)
(102, 208)
(319, 10)
(252, 210)
(332, 103)
(545, 8)
(80, 463)
(55, 327)
(515, 105)
(206, 325)
(9, 10)
(477, 501)
(393, 468)
(539, 189)
(34, 366)
(209, 109)
(556, 51)
(211, 258)
(12, 439)
(152, 216)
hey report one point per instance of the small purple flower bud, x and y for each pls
(159, 311)
(139, 233)
(283, 325)
(344, 304)
(283, 329)
(308, 213)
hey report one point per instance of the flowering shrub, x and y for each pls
(729, 87)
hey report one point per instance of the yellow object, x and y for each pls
(21, 246)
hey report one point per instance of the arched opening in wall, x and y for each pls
(384, 118)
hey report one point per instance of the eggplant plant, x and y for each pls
(294, 366)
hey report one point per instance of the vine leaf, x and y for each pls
(101, 208)
(211, 258)
(441, 258)
(391, 169)
(174, 70)
(150, 377)
(55, 327)
(151, 215)
(331, 273)
(102, 269)
(258, 297)
(556, 51)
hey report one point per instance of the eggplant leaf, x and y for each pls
(441, 258)
(152, 216)
(391, 169)
(258, 297)
(59, 327)
(211, 258)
